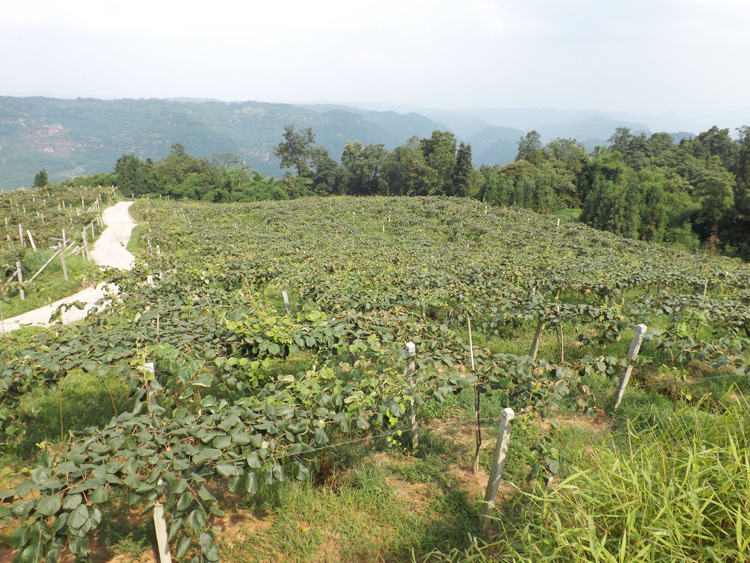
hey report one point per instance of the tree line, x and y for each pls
(690, 194)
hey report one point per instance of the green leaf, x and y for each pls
(253, 460)
(49, 505)
(78, 517)
(174, 528)
(320, 437)
(184, 501)
(221, 442)
(72, 501)
(25, 487)
(251, 483)
(99, 495)
(79, 547)
(183, 545)
(226, 469)
(33, 553)
(197, 520)
(65, 468)
(205, 494)
(19, 538)
(240, 438)
(204, 380)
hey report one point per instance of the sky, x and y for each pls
(688, 57)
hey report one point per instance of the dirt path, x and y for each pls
(109, 250)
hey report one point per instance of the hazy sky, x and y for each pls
(647, 56)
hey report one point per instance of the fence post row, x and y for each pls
(635, 346)
(498, 461)
(411, 352)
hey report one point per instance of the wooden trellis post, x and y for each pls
(635, 346)
(498, 462)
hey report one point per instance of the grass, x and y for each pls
(78, 401)
(366, 505)
(679, 490)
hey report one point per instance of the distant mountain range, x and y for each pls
(70, 138)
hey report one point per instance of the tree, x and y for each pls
(464, 175)
(40, 180)
(127, 176)
(440, 154)
(363, 168)
(530, 148)
(405, 170)
(324, 172)
(717, 142)
(296, 150)
(714, 188)
(739, 217)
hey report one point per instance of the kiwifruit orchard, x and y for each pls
(213, 392)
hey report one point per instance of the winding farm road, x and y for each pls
(109, 250)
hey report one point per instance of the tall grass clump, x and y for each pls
(670, 492)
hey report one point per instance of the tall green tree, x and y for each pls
(40, 180)
(406, 172)
(465, 182)
(363, 168)
(296, 150)
(530, 148)
(440, 154)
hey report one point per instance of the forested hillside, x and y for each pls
(69, 138)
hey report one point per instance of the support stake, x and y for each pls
(498, 461)
(635, 346)
(286, 301)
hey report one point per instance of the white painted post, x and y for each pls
(21, 292)
(411, 368)
(31, 239)
(85, 245)
(635, 347)
(62, 256)
(20, 236)
(286, 301)
(149, 371)
(498, 461)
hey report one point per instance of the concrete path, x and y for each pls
(109, 250)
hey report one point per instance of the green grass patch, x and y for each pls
(677, 489)
(79, 400)
(50, 285)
